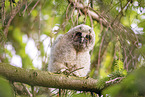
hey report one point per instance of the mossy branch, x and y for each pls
(47, 79)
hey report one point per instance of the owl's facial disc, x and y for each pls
(81, 40)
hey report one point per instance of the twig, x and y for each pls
(39, 28)
(72, 15)
(85, 19)
(91, 20)
(99, 55)
(75, 70)
(126, 57)
(33, 92)
(112, 7)
(76, 20)
(128, 64)
(3, 12)
(27, 90)
(67, 10)
(119, 13)
(25, 9)
(34, 7)
(113, 80)
(14, 12)
(100, 16)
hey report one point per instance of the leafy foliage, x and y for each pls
(5, 88)
(132, 86)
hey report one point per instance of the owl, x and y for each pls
(70, 52)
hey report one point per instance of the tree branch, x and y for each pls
(115, 27)
(47, 79)
(12, 16)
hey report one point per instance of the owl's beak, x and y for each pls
(82, 40)
(83, 37)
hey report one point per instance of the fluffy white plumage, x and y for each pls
(71, 51)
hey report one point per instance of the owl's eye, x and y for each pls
(88, 37)
(77, 37)
(79, 34)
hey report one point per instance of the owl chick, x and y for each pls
(71, 51)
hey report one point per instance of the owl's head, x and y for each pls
(83, 37)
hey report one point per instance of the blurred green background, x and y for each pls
(33, 25)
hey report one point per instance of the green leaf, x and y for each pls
(5, 88)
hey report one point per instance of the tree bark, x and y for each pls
(51, 80)
(47, 79)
